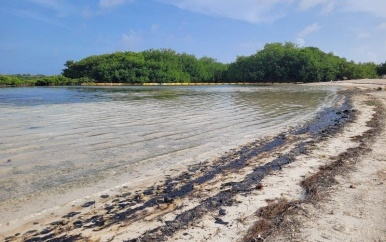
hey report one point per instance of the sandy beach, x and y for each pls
(231, 198)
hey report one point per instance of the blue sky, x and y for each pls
(38, 36)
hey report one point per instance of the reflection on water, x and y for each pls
(91, 135)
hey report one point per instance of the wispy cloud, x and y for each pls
(300, 41)
(130, 40)
(61, 8)
(106, 4)
(258, 11)
(375, 7)
(103, 7)
(38, 16)
(307, 4)
(308, 30)
(253, 11)
(327, 5)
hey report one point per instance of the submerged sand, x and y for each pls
(91, 140)
(127, 213)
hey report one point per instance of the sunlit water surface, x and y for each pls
(105, 136)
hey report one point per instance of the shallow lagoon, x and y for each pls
(72, 141)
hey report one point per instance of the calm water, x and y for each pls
(97, 137)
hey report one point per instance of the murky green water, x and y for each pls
(98, 137)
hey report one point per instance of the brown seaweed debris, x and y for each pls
(325, 178)
(64, 238)
(272, 217)
(222, 199)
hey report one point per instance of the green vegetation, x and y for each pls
(161, 66)
(381, 69)
(289, 63)
(37, 80)
(276, 62)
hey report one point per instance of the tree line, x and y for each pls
(27, 80)
(276, 62)
(161, 66)
(287, 62)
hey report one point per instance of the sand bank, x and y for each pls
(352, 206)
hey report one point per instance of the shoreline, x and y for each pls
(317, 190)
(147, 84)
(164, 154)
(205, 200)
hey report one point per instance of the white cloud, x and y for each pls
(307, 4)
(258, 11)
(105, 4)
(253, 11)
(327, 5)
(328, 8)
(130, 40)
(300, 42)
(308, 30)
(375, 7)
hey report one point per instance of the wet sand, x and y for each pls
(214, 200)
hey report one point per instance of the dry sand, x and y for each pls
(355, 208)
(352, 210)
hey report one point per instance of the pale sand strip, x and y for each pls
(355, 208)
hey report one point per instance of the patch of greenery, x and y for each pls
(288, 62)
(276, 62)
(160, 66)
(38, 80)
